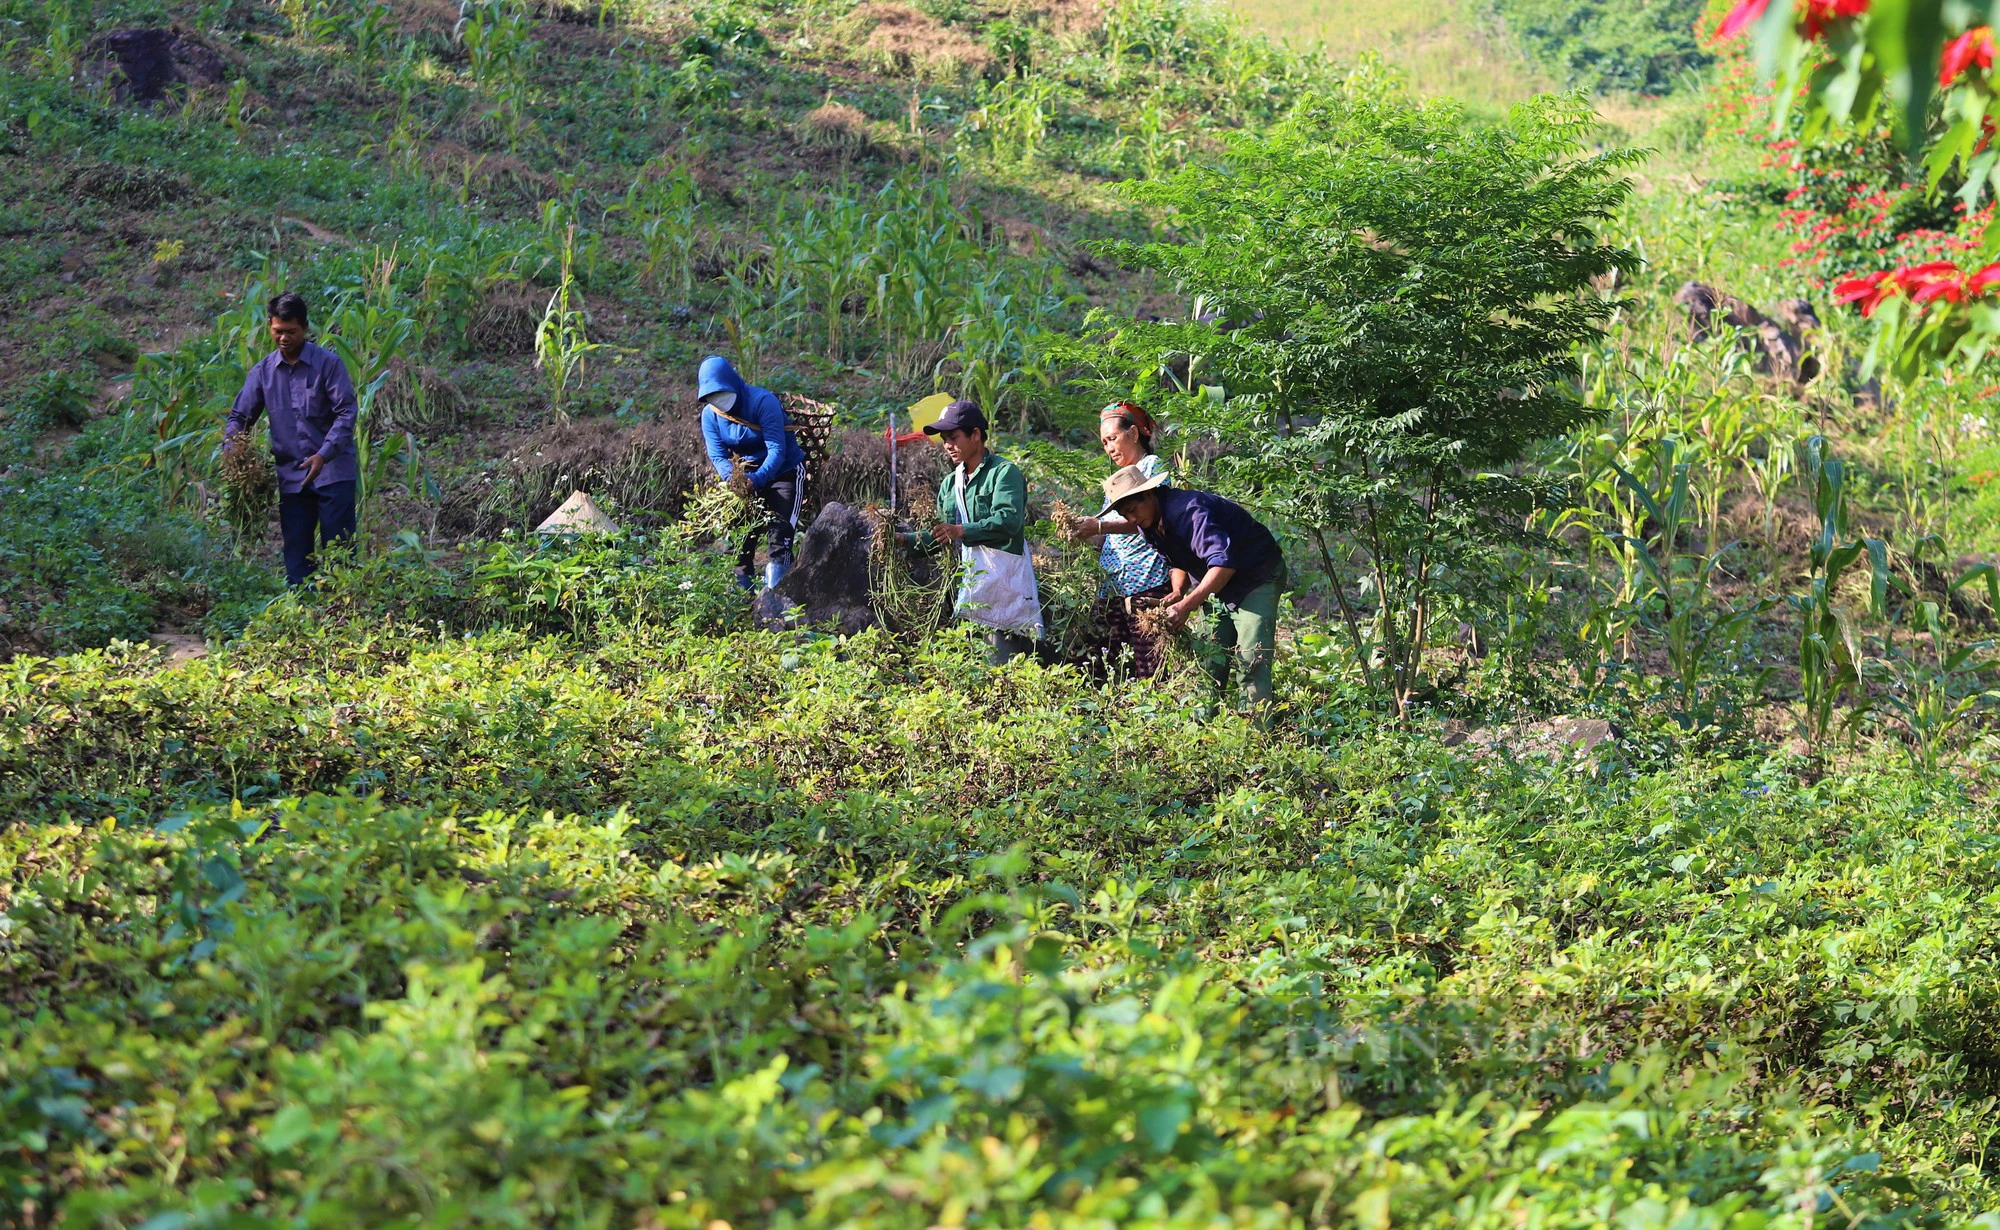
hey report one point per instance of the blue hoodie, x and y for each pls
(754, 428)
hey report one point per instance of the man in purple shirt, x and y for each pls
(309, 397)
(1232, 557)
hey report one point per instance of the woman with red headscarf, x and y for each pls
(1135, 575)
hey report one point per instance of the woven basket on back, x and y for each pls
(812, 423)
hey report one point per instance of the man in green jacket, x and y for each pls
(995, 514)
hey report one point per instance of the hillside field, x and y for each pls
(1650, 879)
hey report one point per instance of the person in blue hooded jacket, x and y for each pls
(740, 421)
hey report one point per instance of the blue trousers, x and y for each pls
(303, 516)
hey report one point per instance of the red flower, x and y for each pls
(1985, 281)
(1972, 49)
(1914, 276)
(1820, 14)
(1747, 13)
(1869, 291)
(1926, 283)
(1951, 290)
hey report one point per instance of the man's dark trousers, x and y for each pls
(327, 512)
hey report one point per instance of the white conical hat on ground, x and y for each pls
(578, 515)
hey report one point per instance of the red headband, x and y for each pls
(1140, 419)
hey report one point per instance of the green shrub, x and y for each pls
(54, 399)
(1389, 304)
(86, 559)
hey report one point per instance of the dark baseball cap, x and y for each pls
(961, 415)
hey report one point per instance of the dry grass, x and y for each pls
(419, 398)
(1062, 16)
(487, 172)
(834, 126)
(130, 187)
(506, 322)
(902, 41)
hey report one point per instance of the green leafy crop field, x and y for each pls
(643, 925)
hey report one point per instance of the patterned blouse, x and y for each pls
(1131, 565)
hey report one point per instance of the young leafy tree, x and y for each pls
(1388, 301)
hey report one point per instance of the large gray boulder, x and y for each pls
(828, 584)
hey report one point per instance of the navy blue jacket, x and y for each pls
(754, 428)
(1200, 530)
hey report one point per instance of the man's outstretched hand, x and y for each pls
(314, 464)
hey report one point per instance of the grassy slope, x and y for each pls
(332, 161)
(1447, 48)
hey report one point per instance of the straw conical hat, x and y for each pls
(578, 515)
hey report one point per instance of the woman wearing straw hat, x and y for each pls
(1238, 560)
(1135, 573)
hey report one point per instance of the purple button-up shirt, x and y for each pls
(311, 404)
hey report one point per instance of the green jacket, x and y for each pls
(996, 501)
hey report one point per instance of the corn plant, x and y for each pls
(68, 28)
(1829, 652)
(923, 258)
(750, 319)
(1248, 76)
(696, 84)
(369, 28)
(370, 331)
(298, 14)
(376, 462)
(1000, 341)
(665, 214)
(1160, 138)
(181, 397)
(1678, 597)
(1932, 687)
(833, 255)
(1771, 466)
(1015, 115)
(459, 272)
(494, 34)
(562, 340)
(236, 110)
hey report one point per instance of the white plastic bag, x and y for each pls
(997, 589)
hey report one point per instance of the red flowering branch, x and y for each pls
(1930, 282)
